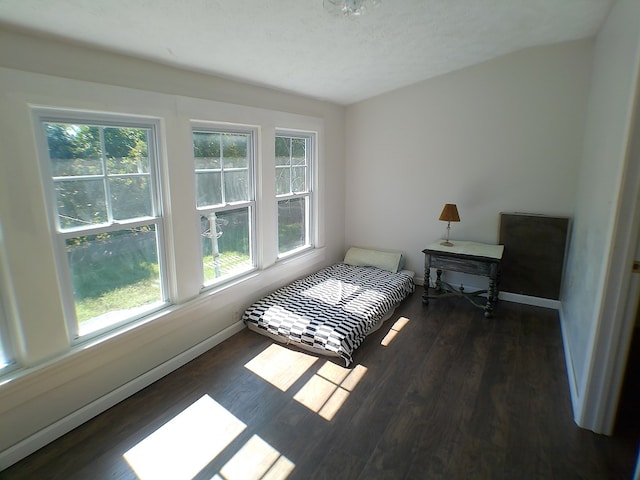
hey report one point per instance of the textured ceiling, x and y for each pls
(297, 46)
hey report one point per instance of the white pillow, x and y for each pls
(364, 257)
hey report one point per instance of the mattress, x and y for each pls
(330, 311)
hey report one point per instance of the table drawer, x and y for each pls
(474, 267)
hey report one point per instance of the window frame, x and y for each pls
(8, 360)
(309, 194)
(59, 236)
(252, 132)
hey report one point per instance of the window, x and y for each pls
(5, 354)
(224, 165)
(7, 358)
(106, 208)
(294, 156)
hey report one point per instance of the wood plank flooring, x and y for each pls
(451, 396)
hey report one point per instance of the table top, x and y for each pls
(473, 249)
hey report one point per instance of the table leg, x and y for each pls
(427, 282)
(491, 298)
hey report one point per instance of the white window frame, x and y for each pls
(59, 236)
(250, 204)
(8, 359)
(309, 193)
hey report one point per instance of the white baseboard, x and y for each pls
(527, 300)
(571, 374)
(41, 438)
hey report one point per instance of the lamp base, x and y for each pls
(446, 243)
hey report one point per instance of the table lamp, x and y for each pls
(449, 214)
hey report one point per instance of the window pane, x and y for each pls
(283, 150)
(206, 152)
(208, 188)
(5, 357)
(80, 150)
(299, 153)
(299, 180)
(225, 243)
(291, 224)
(206, 144)
(235, 162)
(122, 165)
(234, 149)
(130, 197)
(126, 150)
(283, 180)
(74, 149)
(4, 361)
(80, 203)
(236, 185)
(115, 276)
(283, 161)
(208, 163)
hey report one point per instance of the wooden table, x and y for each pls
(464, 257)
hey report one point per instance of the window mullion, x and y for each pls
(291, 196)
(291, 164)
(105, 177)
(222, 171)
(112, 227)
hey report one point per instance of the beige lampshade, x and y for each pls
(450, 213)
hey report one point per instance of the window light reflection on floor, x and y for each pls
(399, 325)
(329, 388)
(280, 366)
(256, 460)
(186, 444)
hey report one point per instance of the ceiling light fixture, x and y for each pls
(349, 8)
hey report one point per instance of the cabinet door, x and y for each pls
(534, 252)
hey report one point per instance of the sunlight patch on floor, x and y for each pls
(329, 388)
(395, 329)
(280, 366)
(186, 444)
(256, 460)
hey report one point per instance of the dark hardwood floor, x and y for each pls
(451, 396)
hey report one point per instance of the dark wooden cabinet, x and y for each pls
(534, 253)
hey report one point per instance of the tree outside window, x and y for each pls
(107, 213)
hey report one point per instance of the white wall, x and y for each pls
(591, 300)
(502, 136)
(58, 381)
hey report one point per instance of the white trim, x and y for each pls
(611, 337)
(571, 373)
(48, 434)
(528, 300)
